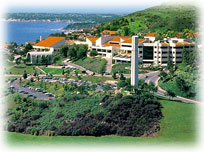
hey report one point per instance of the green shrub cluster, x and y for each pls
(135, 115)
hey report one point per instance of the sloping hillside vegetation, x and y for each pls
(158, 19)
(135, 115)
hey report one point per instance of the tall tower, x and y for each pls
(134, 62)
(41, 38)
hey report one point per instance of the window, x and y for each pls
(178, 47)
(163, 47)
(126, 46)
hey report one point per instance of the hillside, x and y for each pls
(158, 19)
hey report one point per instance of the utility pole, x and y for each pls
(134, 62)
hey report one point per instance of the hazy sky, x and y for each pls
(85, 6)
(80, 6)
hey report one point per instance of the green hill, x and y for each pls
(158, 19)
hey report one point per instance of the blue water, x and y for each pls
(21, 32)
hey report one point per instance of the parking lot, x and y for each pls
(30, 92)
(37, 93)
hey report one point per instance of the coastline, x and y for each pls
(46, 20)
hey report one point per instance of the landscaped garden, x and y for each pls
(124, 68)
(59, 70)
(21, 68)
(97, 65)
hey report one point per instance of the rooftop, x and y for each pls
(92, 39)
(49, 41)
(130, 41)
(151, 34)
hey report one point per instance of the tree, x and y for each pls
(25, 75)
(114, 75)
(152, 87)
(163, 75)
(126, 31)
(170, 67)
(11, 57)
(64, 50)
(122, 77)
(181, 84)
(93, 53)
(82, 51)
(170, 94)
(18, 60)
(63, 72)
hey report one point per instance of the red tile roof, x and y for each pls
(130, 41)
(49, 41)
(109, 32)
(178, 34)
(118, 38)
(92, 39)
(151, 34)
(163, 43)
(115, 45)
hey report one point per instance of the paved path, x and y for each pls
(65, 62)
(153, 77)
(40, 69)
(109, 65)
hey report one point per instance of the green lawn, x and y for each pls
(19, 69)
(52, 70)
(122, 68)
(177, 126)
(93, 64)
(56, 70)
(93, 79)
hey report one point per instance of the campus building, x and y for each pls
(150, 51)
(45, 49)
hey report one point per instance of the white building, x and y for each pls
(119, 48)
(45, 49)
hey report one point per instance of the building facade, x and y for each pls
(150, 51)
(45, 49)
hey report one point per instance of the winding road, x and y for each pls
(153, 77)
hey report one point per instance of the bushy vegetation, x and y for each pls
(182, 79)
(74, 51)
(182, 130)
(163, 19)
(72, 114)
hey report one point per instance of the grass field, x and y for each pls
(93, 64)
(56, 70)
(177, 127)
(93, 79)
(122, 68)
(52, 70)
(19, 69)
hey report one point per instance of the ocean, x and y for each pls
(21, 32)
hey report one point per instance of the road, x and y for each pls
(67, 63)
(39, 95)
(153, 77)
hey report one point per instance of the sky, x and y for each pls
(79, 6)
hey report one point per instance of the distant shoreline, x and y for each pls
(47, 20)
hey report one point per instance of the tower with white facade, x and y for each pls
(134, 62)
